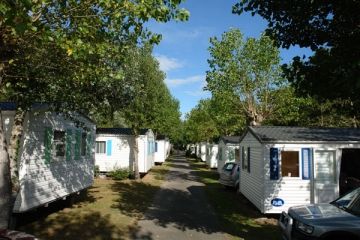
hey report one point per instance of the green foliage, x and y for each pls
(247, 72)
(96, 170)
(329, 29)
(200, 125)
(119, 173)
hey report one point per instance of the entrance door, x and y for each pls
(325, 184)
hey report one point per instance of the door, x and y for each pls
(325, 184)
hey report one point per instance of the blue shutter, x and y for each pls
(306, 163)
(274, 164)
(248, 169)
(156, 147)
(108, 148)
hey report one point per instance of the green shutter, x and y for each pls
(231, 154)
(68, 144)
(47, 144)
(88, 145)
(77, 144)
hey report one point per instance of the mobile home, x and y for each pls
(203, 146)
(161, 149)
(114, 148)
(55, 158)
(211, 155)
(228, 150)
(286, 166)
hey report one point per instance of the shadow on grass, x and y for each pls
(135, 197)
(237, 215)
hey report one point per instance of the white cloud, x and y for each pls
(173, 83)
(198, 93)
(168, 64)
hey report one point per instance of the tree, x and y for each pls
(330, 29)
(227, 113)
(88, 36)
(148, 95)
(249, 70)
(200, 125)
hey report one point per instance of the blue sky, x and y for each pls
(183, 54)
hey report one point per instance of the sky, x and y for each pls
(182, 52)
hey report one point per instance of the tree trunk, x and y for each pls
(14, 145)
(5, 180)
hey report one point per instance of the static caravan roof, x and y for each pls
(303, 134)
(161, 137)
(12, 106)
(119, 131)
(230, 139)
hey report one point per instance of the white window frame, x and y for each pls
(299, 162)
(97, 147)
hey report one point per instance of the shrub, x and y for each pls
(96, 170)
(119, 173)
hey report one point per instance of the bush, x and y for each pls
(96, 170)
(119, 173)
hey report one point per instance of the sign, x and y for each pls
(277, 202)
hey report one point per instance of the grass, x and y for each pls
(109, 210)
(237, 216)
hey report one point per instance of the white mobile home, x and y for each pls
(211, 155)
(197, 149)
(161, 149)
(228, 150)
(55, 159)
(114, 148)
(203, 150)
(287, 166)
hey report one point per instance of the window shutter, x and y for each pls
(88, 145)
(248, 159)
(156, 146)
(306, 164)
(220, 154)
(231, 154)
(274, 164)
(68, 144)
(108, 148)
(77, 144)
(47, 144)
(243, 157)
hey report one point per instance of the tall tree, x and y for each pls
(330, 29)
(249, 70)
(145, 108)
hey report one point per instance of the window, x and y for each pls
(59, 143)
(100, 147)
(83, 143)
(290, 163)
